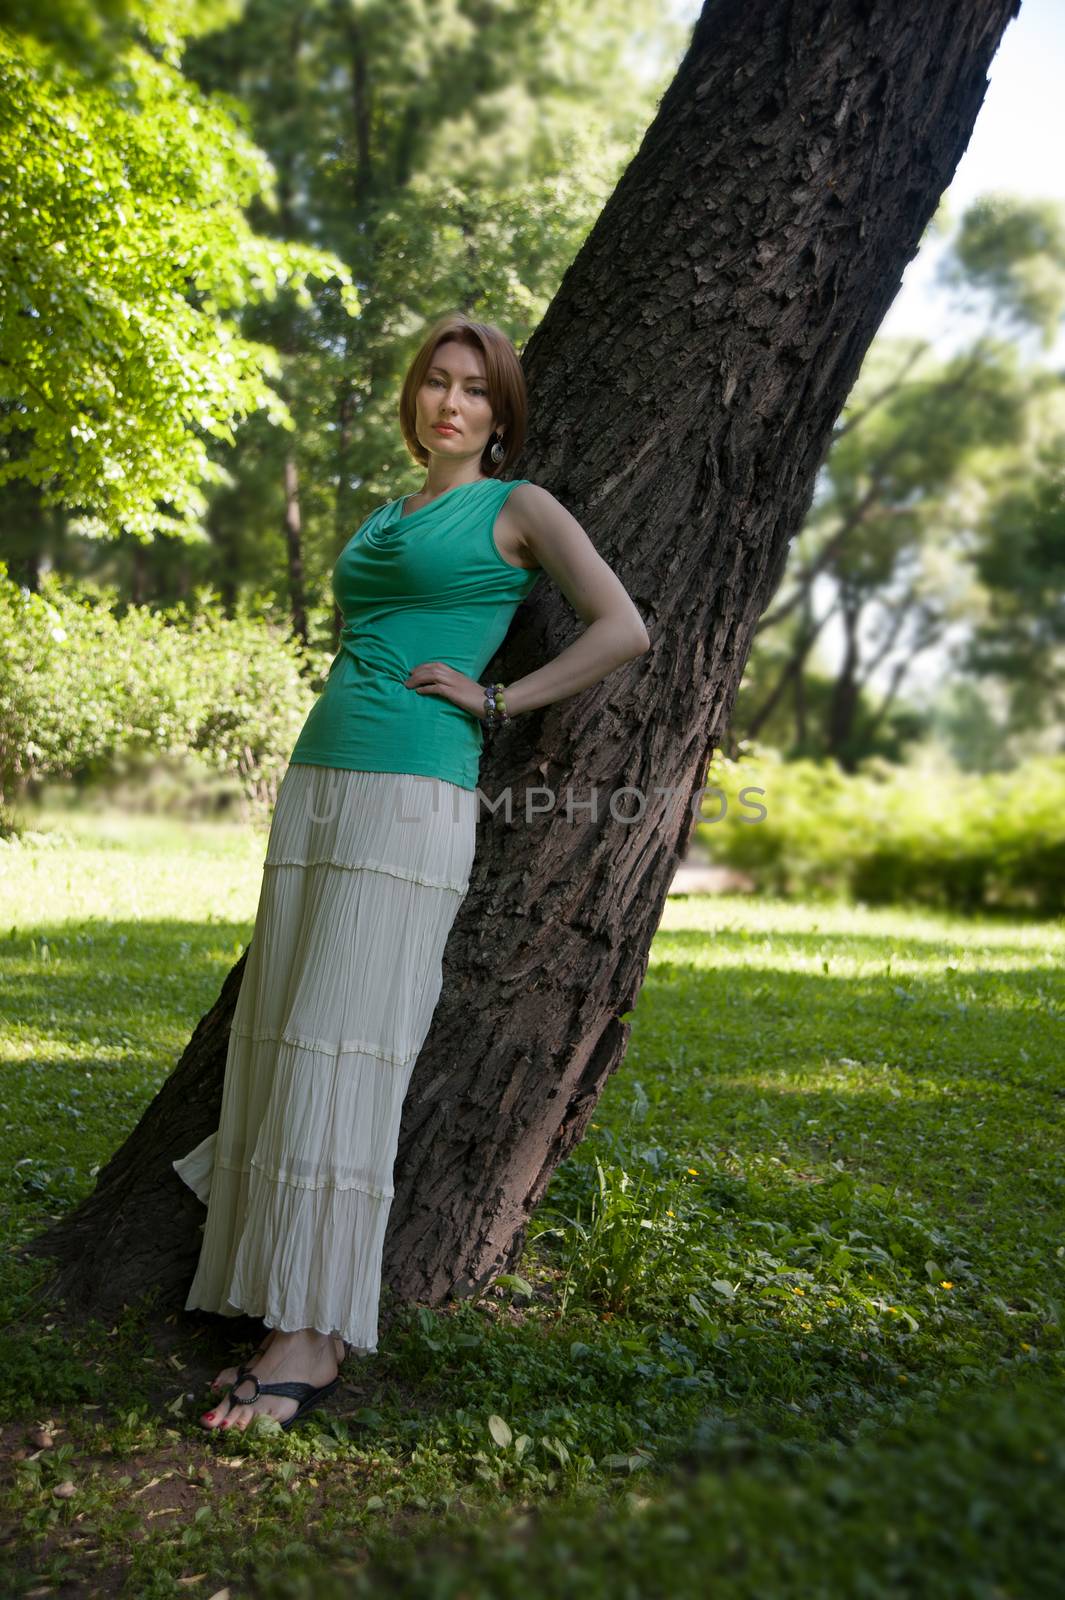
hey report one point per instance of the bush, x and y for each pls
(922, 834)
(83, 690)
(257, 699)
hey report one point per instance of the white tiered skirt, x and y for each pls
(363, 876)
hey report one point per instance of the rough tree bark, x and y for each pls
(683, 384)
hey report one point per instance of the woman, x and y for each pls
(369, 856)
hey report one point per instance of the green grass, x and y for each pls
(790, 1316)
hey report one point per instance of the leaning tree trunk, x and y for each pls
(683, 384)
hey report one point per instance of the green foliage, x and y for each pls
(81, 688)
(433, 154)
(91, 34)
(790, 1313)
(257, 696)
(918, 833)
(1012, 249)
(613, 1237)
(1021, 564)
(963, 1504)
(450, 156)
(936, 518)
(126, 258)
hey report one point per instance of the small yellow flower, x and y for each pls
(694, 1171)
(807, 1326)
(798, 1291)
(669, 1213)
(945, 1283)
(1025, 1346)
(903, 1378)
(894, 1310)
(593, 1124)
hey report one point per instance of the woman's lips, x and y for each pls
(442, 427)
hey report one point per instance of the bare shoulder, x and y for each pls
(552, 538)
(522, 515)
(541, 521)
(529, 501)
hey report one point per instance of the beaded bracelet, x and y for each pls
(494, 706)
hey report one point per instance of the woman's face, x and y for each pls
(455, 391)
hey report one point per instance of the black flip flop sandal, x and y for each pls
(220, 1391)
(307, 1395)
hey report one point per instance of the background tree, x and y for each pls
(895, 548)
(883, 549)
(684, 385)
(446, 150)
(448, 153)
(1021, 563)
(126, 257)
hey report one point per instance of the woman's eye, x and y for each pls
(432, 382)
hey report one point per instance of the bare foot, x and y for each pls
(304, 1357)
(228, 1375)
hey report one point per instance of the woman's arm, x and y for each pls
(615, 632)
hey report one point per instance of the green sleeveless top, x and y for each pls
(431, 586)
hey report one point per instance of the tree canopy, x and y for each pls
(127, 259)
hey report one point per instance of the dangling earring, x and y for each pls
(497, 452)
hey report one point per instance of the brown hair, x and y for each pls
(503, 374)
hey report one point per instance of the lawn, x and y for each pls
(789, 1323)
